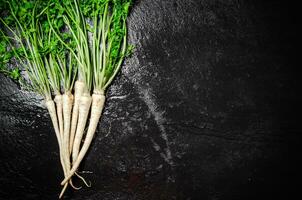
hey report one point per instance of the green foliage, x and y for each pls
(117, 32)
(51, 38)
(108, 28)
(26, 37)
(5, 56)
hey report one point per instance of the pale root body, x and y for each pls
(59, 103)
(53, 116)
(63, 190)
(97, 105)
(67, 102)
(64, 107)
(67, 107)
(84, 107)
(78, 91)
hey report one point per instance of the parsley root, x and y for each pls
(67, 49)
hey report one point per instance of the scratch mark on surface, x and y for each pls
(135, 75)
(146, 95)
(118, 97)
(160, 120)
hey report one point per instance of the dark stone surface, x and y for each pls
(206, 108)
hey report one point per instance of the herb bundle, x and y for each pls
(71, 51)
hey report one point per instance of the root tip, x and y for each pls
(63, 191)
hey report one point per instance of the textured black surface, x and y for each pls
(206, 108)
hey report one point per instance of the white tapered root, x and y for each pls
(97, 105)
(67, 107)
(84, 107)
(59, 103)
(78, 91)
(53, 116)
(63, 190)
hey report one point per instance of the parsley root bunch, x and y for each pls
(70, 50)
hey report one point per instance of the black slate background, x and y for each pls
(206, 108)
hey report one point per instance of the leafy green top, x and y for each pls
(26, 36)
(99, 30)
(55, 39)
